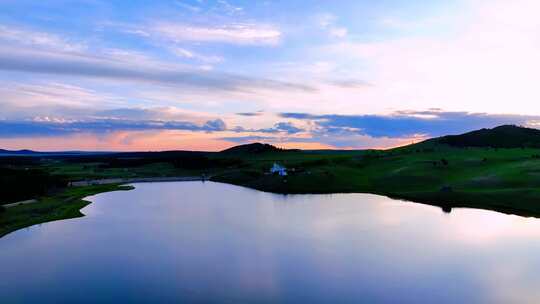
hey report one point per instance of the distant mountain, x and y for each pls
(255, 148)
(17, 152)
(4, 152)
(506, 136)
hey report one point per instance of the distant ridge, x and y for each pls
(4, 152)
(254, 148)
(505, 136)
(17, 152)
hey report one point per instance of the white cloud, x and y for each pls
(115, 68)
(237, 33)
(50, 93)
(189, 7)
(39, 39)
(185, 53)
(338, 32)
(488, 59)
(230, 9)
(327, 22)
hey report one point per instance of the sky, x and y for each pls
(207, 75)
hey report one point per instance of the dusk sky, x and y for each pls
(207, 75)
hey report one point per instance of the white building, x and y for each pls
(277, 168)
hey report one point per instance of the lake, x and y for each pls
(217, 243)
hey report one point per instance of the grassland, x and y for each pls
(500, 178)
(506, 180)
(65, 204)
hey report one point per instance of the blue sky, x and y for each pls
(205, 75)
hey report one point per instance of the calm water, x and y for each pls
(216, 243)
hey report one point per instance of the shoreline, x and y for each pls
(68, 203)
(61, 206)
(512, 201)
(128, 180)
(73, 199)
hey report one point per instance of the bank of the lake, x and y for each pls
(517, 201)
(405, 176)
(194, 242)
(501, 179)
(65, 204)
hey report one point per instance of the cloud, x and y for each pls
(484, 60)
(327, 22)
(129, 113)
(189, 7)
(39, 39)
(184, 53)
(286, 127)
(215, 125)
(153, 113)
(35, 95)
(250, 114)
(229, 9)
(45, 126)
(409, 123)
(338, 32)
(341, 141)
(350, 84)
(235, 33)
(328, 130)
(248, 139)
(89, 66)
(280, 127)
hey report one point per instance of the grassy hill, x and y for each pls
(506, 136)
(254, 148)
(496, 169)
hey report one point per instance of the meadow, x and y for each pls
(504, 177)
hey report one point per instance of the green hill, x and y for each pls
(255, 148)
(506, 136)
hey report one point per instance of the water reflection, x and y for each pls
(208, 242)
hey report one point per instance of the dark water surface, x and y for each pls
(216, 243)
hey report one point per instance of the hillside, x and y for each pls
(30, 153)
(254, 148)
(17, 152)
(506, 136)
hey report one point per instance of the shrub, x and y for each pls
(18, 184)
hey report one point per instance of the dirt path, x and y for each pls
(136, 180)
(32, 201)
(107, 181)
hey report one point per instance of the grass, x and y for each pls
(63, 205)
(505, 180)
(81, 171)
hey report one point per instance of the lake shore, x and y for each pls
(68, 203)
(109, 181)
(521, 201)
(60, 206)
(503, 180)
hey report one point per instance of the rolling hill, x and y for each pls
(506, 136)
(255, 148)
